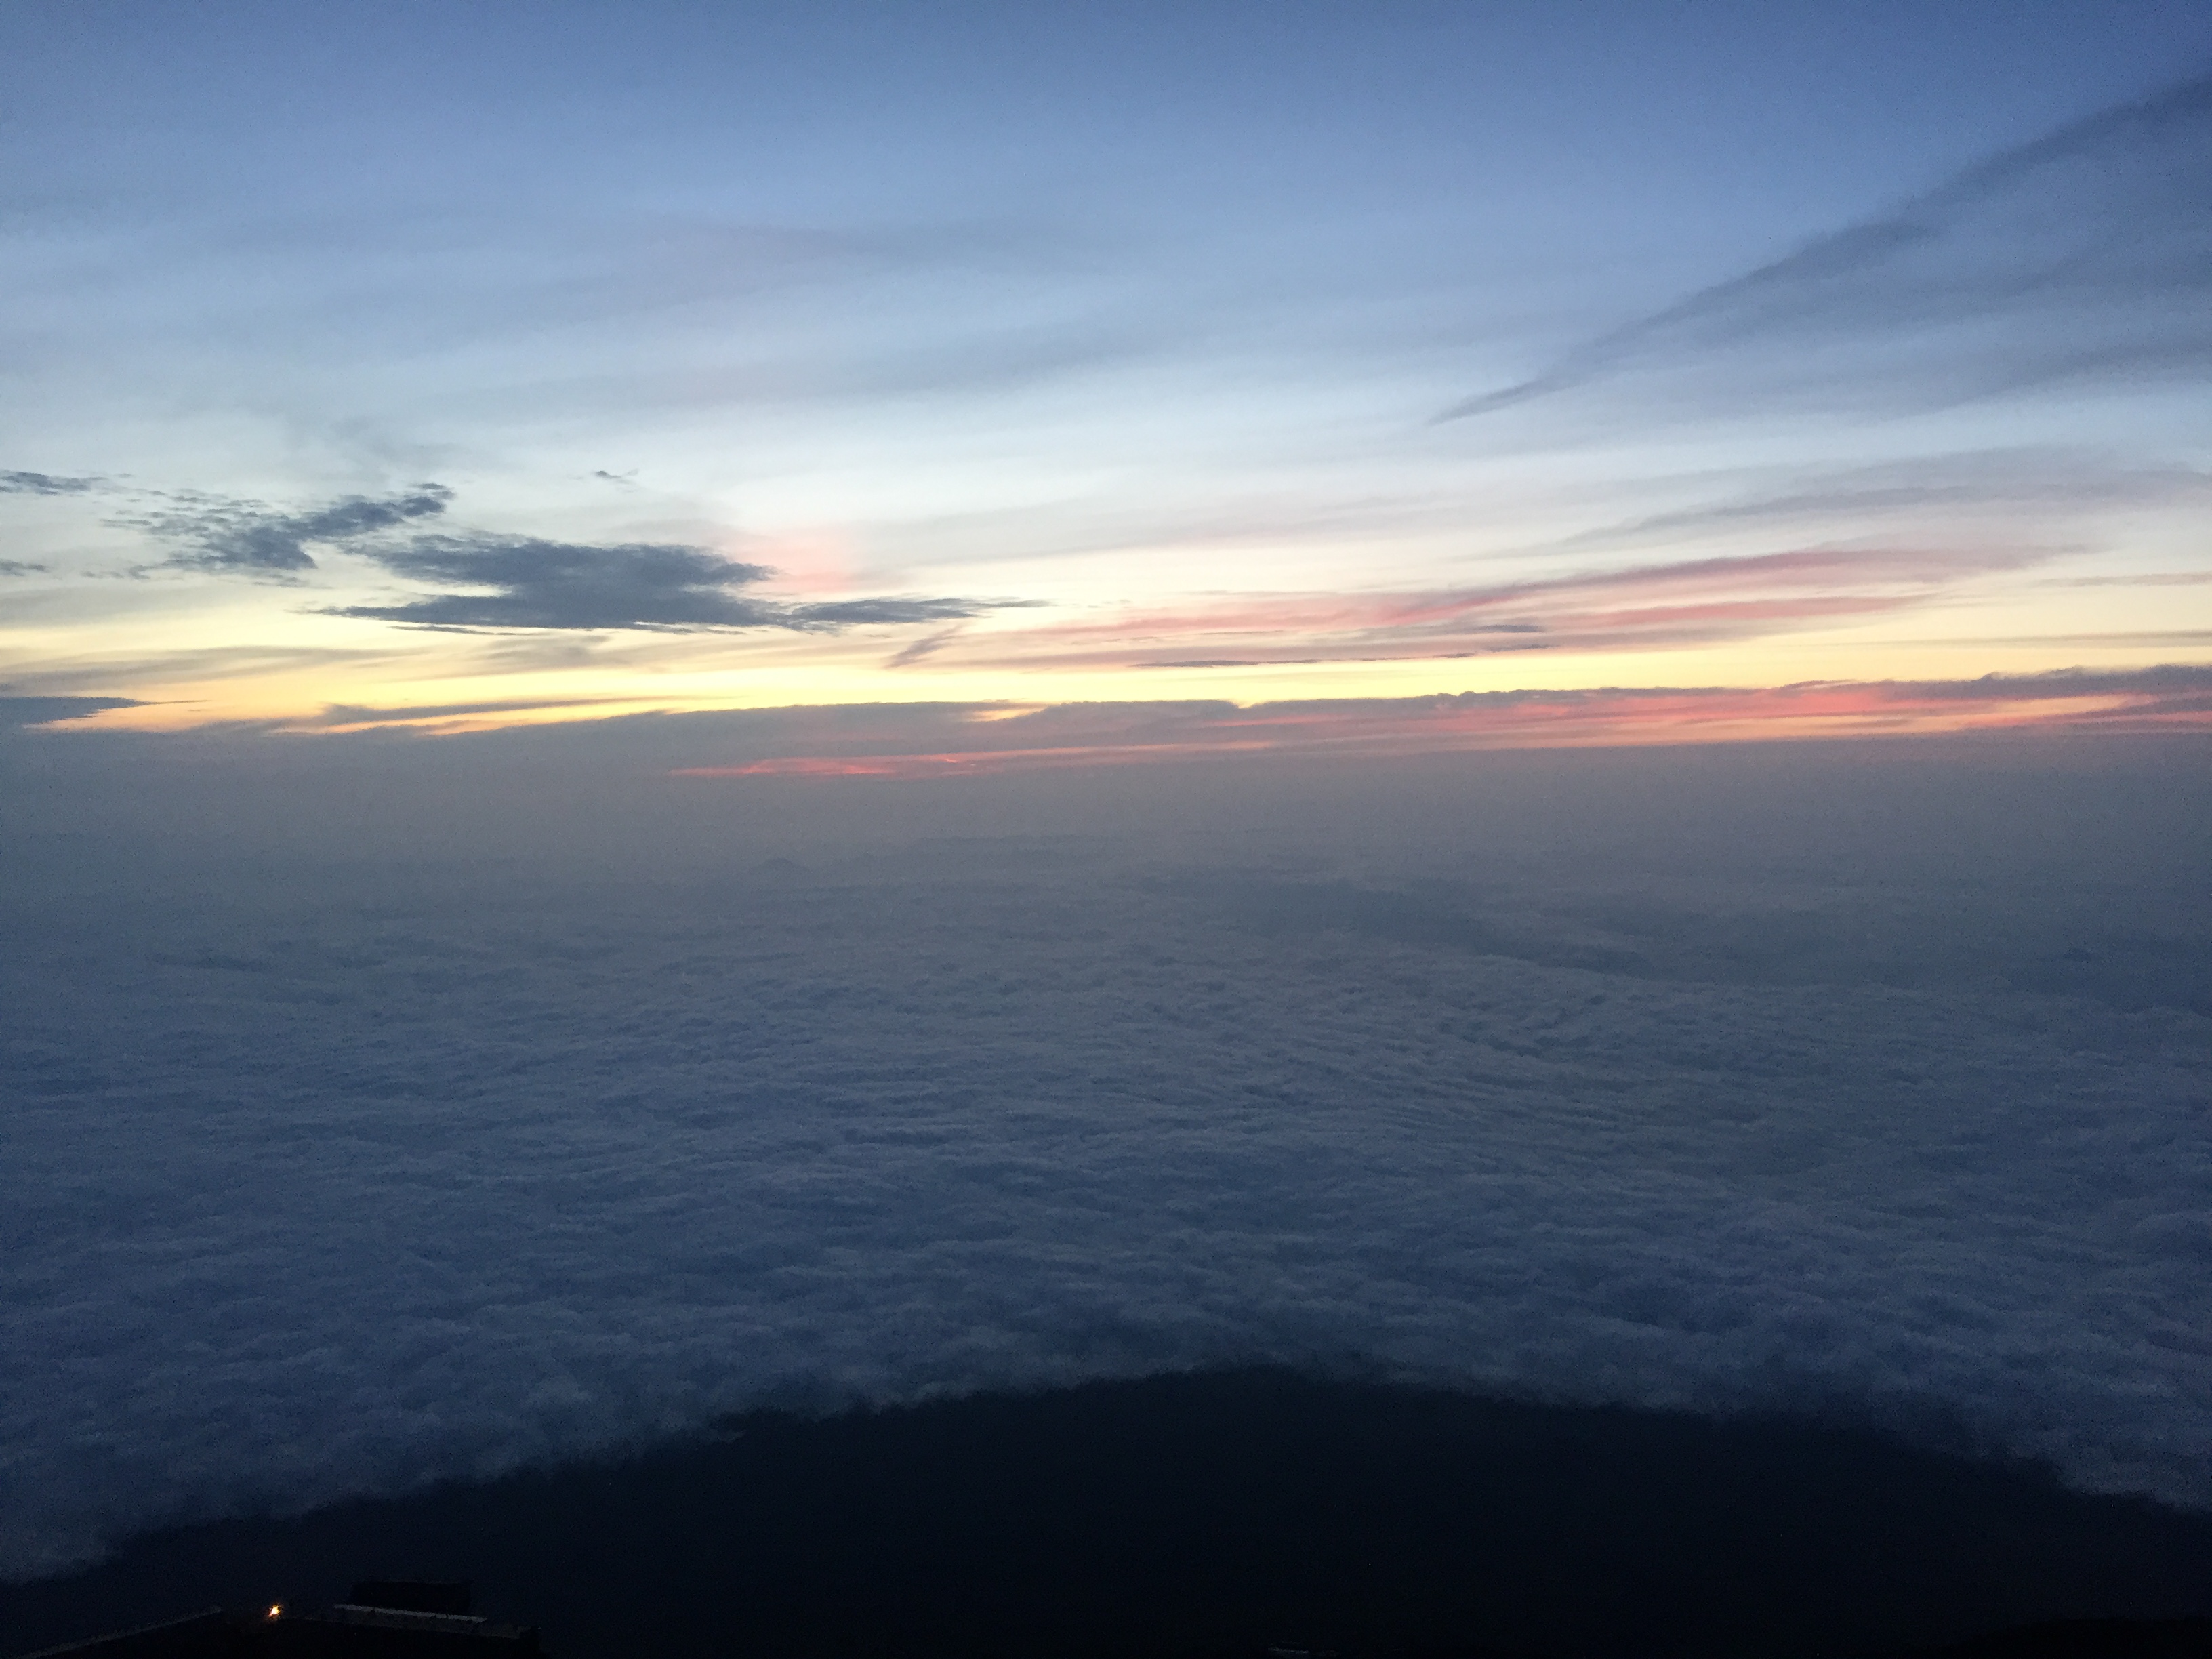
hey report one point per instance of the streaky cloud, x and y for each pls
(2036, 486)
(95, 672)
(2086, 254)
(1681, 603)
(943, 742)
(346, 716)
(928, 646)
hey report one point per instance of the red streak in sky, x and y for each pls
(1123, 735)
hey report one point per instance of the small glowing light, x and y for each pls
(275, 1609)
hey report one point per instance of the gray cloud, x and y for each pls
(16, 711)
(928, 646)
(22, 567)
(2086, 254)
(640, 585)
(253, 538)
(45, 484)
(534, 582)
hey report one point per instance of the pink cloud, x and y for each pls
(1121, 734)
(1692, 603)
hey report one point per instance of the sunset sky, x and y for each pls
(750, 707)
(480, 366)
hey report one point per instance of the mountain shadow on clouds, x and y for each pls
(1218, 1514)
(2083, 257)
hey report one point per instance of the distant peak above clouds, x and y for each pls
(2084, 256)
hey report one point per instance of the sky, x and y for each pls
(1289, 371)
(704, 706)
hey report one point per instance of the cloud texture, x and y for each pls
(44, 483)
(320, 1182)
(254, 539)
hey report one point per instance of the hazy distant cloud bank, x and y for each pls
(314, 1183)
(2085, 256)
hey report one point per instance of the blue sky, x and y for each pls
(775, 355)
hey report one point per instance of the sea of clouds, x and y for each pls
(337, 1164)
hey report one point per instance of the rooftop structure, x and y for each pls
(386, 1619)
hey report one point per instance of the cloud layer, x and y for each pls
(320, 1183)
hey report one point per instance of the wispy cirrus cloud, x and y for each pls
(2081, 256)
(2008, 492)
(103, 671)
(952, 741)
(1695, 601)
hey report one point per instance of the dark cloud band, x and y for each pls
(635, 585)
(515, 582)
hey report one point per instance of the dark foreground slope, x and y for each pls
(1213, 1513)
